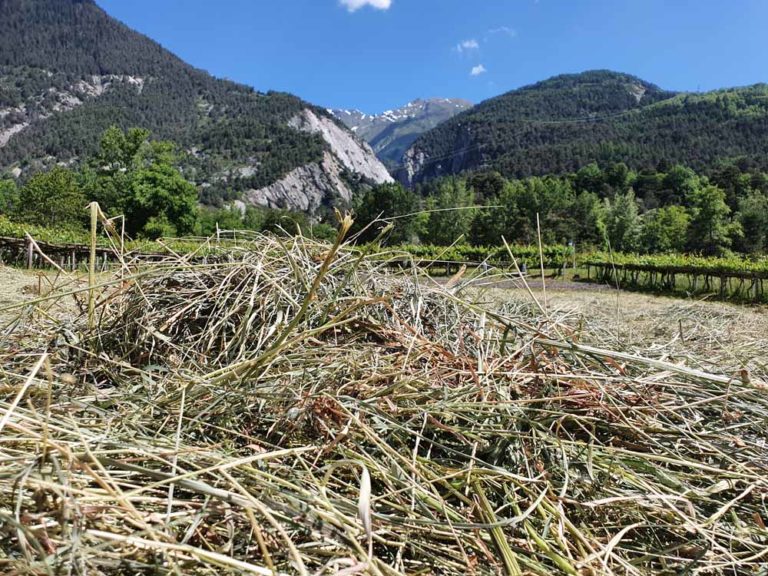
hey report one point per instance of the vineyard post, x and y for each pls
(30, 254)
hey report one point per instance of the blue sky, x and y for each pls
(380, 54)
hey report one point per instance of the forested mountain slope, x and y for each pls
(566, 122)
(68, 71)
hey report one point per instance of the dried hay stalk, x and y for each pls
(257, 384)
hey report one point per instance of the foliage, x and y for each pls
(555, 255)
(390, 202)
(682, 263)
(498, 219)
(260, 219)
(665, 230)
(588, 216)
(15, 229)
(753, 218)
(9, 196)
(133, 175)
(564, 124)
(53, 198)
(137, 177)
(161, 196)
(450, 211)
(709, 231)
(107, 177)
(622, 223)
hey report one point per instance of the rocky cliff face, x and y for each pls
(355, 155)
(322, 183)
(306, 188)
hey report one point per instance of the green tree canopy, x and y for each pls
(138, 177)
(450, 212)
(9, 197)
(486, 185)
(677, 185)
(53, 198)
(162, 202)
(622, 222)
(753, 217)
(665, 230)
(709, 233)
(588, 217)
(387, 201)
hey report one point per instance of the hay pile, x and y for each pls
(294, 408)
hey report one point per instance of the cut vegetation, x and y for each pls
(291, 407)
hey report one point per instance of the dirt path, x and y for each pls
(552, 285)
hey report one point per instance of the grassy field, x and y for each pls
(295, 408)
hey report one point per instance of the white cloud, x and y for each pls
(478, 70)
(468, 45)
(506, 30)
(355, 5)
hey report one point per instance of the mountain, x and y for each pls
(68, 71)
(561, 124)
(391, 133)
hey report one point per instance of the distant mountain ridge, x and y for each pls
(393, 131)
(68, 71)
(563, 123)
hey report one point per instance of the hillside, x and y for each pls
(566, 122)
(392, 132)
(68, 71)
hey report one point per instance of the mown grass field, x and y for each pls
(298, 408)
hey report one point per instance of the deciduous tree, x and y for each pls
(53, 198)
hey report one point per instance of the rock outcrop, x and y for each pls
(311, 186)
(355, 155)
(306, 188)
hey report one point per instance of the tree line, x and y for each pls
(664, 210)
(669, 209)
